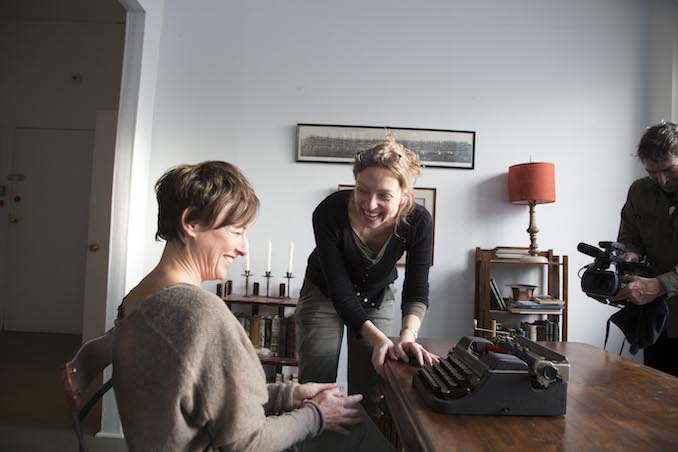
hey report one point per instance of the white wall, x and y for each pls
(565, 82)
(662, 57)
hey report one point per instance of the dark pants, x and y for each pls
(319, 335)
(663, 354)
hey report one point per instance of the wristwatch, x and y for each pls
(412, 330)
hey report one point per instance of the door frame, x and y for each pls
(130, 172)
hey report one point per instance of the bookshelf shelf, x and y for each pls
(526, 312)
(515, 262)
(256, 301)
(279, 361)
(555, 267)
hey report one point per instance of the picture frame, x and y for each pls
(339, 144)
(424, 196)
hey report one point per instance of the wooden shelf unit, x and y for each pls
(281, 303)
(556, 269)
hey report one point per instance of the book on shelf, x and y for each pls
(548, 300)
(533, 305)
(541, 330)
(535, 311)
(511, 253)
(494, 304)
(273, 333)
(496, 300)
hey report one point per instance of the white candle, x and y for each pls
(268, 257)
(247, 258)
(289, 263)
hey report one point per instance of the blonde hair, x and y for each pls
(398, 159)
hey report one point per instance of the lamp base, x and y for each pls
(534, 259)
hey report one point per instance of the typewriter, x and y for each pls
(506, 376)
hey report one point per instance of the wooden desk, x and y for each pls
(613, 403)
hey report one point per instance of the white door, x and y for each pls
(48, 215)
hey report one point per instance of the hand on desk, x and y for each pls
(406, 348)
(403, 350)
(383, 347)
(380, 350)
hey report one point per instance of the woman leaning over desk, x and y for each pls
(185, 373)
(360, 235)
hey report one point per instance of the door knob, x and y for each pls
(93, 247)
(13, 219)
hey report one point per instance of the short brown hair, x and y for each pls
(206, 190)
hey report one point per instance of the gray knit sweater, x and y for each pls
(186, 377)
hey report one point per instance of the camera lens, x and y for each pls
(600, 282)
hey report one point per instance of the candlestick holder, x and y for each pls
(289, 276)
(247, 275)
(268, 277)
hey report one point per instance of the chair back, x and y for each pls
(90, 361)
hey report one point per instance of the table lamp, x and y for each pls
(532, 183)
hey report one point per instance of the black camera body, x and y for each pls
(602, 284)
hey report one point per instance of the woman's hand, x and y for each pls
(381, 349)
(382, 346)
(338, 410)
(407, 347)
(308, 391)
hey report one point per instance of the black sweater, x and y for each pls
(339, 269)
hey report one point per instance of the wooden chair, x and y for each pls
(90, 361)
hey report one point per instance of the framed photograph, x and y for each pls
(340, 144)
(423, 196)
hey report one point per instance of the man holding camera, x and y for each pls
(649, 229)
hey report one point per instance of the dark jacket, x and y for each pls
(649, 228)
(343, 274)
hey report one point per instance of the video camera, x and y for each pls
(602, 284)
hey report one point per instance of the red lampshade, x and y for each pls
(532, 182)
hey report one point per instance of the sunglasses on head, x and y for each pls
(368, 158)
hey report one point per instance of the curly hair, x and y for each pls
(401, 161)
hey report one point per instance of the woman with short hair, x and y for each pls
(185, 373)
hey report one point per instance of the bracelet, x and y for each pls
(410, 329)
